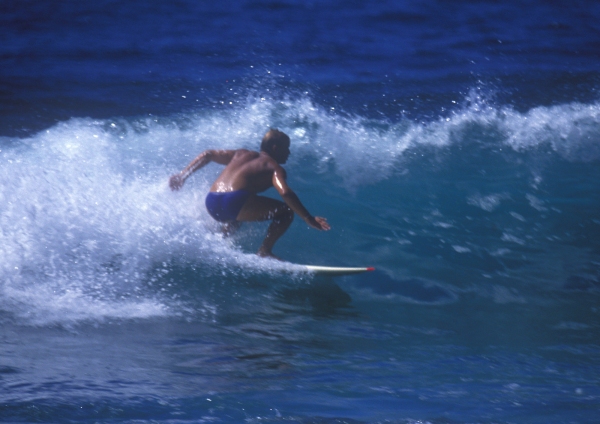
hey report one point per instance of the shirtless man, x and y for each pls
(233, 197)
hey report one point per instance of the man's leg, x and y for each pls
(228, 228)
(260, 208)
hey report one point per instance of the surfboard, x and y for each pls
(335, 270)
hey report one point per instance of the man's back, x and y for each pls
(247, 170)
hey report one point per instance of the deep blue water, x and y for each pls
(455, 146)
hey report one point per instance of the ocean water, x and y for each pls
(454, 146)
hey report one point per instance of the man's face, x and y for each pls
(282, 152)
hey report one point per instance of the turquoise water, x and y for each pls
(466, 172)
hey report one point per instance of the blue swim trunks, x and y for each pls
(225, 207)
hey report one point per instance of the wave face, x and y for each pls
(91, 232)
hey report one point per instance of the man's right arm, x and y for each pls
(222, 157)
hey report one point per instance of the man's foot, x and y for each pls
(265, 254)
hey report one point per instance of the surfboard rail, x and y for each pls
(335, 270)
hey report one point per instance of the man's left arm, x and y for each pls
(293, 201)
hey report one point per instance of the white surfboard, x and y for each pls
(335, 270)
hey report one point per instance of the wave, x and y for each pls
(90, 230)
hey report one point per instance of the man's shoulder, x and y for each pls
(246, 152)
(259, 162)
(241, 156)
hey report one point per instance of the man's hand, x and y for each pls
(318, 223)
(176, 182)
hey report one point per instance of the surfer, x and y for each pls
(233, 197)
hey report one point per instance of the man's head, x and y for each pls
(276, 144)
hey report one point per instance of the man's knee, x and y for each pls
(284, 214)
